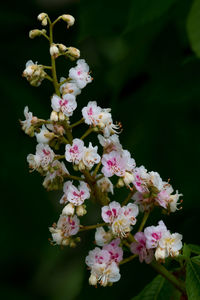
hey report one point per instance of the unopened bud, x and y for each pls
(75, 167)
(160, 254)
(120, 183)
(42, 16)
(54, 116)
(62, 47)
(80, 210)
(81, 166)
(61, 116)
(68, 209)
(69, 19)
(65, 242)
(128, 178)
(33, 33)
(92, 279)
(73, 53)
(54, 51)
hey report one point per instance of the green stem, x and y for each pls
(125, 260)
(146, 215)
(74, 177)
(77, 123)
(169, 276)
(87, 133)
(96, 169)
(92, 226)
(53, 63)
(128, 198)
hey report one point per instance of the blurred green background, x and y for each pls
(140, 54)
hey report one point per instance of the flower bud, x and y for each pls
(65, 242)
(54, 116)
(69, 19)
(81, 166)
(128, 178)
(33, 33)
(80, 210)
(54, 51)
(92, 279)
(160, 254)
(120, 183)
(73, 53)
(43, 18)
(61, 116)
(68, 209)
(62, 47)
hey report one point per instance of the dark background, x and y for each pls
(145, 70)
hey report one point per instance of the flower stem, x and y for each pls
(146, 215)
(128, 198)
(53, 63)
(87, 133)
(169, 276)
(92, 226)
(77, 123)
(125, 260)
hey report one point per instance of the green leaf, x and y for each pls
(194, 248)
(145, 11)
(193, 27)
(158, 289)
(193, 278)
(186, 250)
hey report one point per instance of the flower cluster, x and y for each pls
(95, 174)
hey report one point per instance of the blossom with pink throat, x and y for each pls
(116, 252)
(74, 152)
(90, 113)
(117, 163)
(69, 87)
(67, 104)
(110, 212)
(43, 157)
(66, 227)
(139, 247)
(153, 234)
(75, 195)
(80, 74)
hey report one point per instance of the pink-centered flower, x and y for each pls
(80, 74)
(139, 247)
(117, 163)
(74, 153)
(67, 104)
(90, 113)
(43, 157)
(153, 234)
(75, 195)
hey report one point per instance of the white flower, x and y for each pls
(34, 73)
(90, 113)
(111, 143)
(66, 227)
(169, 245)
(68, 210)
(80, 74)
(90, 156)
(153, 234)
(28, 122)
(74, 152)
(105, 185)
(102, 237)
(75, 195)
(42, 158)
(155, 180)
(44, 136)
(69, 88)
(67, 104)
(54, 51)
(69, 19)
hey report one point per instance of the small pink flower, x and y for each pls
(74, 152)
(75, 195)
(80, 74)
(90, 113)
(69, 225)
(67, 104)
(116, 252)
(110, 212)
(139, 247)
(153, 234)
